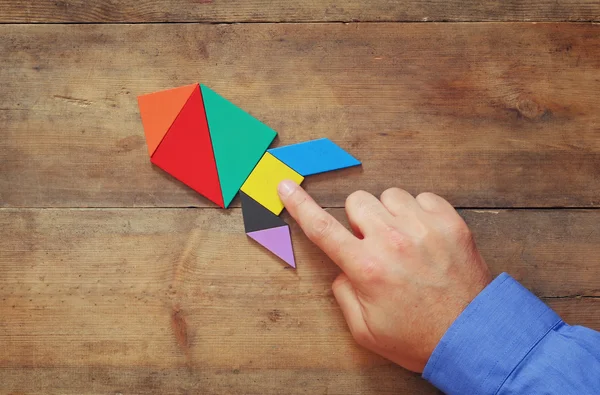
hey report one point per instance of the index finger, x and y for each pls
(320, 226)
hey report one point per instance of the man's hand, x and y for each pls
(408, 271)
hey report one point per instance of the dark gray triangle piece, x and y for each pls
(257, 217)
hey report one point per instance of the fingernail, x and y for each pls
(286, 188)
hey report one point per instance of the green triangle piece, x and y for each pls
(239, 141)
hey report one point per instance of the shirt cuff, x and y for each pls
(489, 339)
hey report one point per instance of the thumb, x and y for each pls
(351, 308)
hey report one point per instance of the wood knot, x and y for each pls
(180, 329)
(530, 109)
(274, 315)
(130, 143)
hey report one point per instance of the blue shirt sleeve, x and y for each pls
(507, 341)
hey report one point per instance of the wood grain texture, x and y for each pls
(174, 300)
(487, 115)
(136, 297)
(296, 11)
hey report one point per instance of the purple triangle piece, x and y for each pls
(278, 241)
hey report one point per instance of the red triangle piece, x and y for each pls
(186, 151)
(158, 111)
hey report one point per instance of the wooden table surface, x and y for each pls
(116, 279)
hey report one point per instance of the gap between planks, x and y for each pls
(314, 22)
(464, 208)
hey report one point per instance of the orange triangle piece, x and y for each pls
(159, 110)
(186, 151)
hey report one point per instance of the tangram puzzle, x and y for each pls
(218, 149)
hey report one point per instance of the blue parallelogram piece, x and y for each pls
(314, 157)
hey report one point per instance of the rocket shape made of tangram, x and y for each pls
(218, 149)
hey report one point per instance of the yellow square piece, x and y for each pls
(262, 183)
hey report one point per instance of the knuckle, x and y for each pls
(391, 193)
(370, 271)
(430, 201)
(459, 229)
(298, 199)
(356, 199)
(427, 195)
(438, 205)
(321, 227)
(422, 232)
(398, 241)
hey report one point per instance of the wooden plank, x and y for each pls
(168, 300)
(377, 377)
(486, 115)
(77, 380)
(296, 11)
(540, 248)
